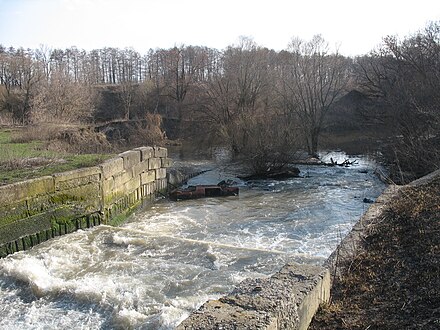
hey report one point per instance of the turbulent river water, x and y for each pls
(165, 261)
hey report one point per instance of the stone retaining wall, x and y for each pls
(36, 210)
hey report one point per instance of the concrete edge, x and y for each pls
(286, 300)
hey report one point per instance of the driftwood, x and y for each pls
(292, 172)
(345, 163)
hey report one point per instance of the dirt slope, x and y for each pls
(393, 282)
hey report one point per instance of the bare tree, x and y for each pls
(311, 82)
(402, 78)
(127, 95)
(20, 75)
(62, 101)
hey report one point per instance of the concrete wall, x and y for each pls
(36, 210)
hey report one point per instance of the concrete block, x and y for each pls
(77, 178)
(86, 197)
(132, 185)
(161, 173)
(161, 184)
(112, 167)
(39, 204)
(154, 163)
(139, 168)
(224, 316)
(121, 178)
(150, 188)
(317, 294)
(146, 153)
(27, 226)
(166, 162)
(26, 189)
(147, 177)
(131, 158)
(160, 152)
(108, 186)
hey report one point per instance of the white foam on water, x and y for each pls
(178, 309)
(32, 271)
(128, 319)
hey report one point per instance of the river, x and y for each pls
(168, 259)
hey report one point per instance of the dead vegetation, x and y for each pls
(394, 281)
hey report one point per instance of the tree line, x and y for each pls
(262, 103)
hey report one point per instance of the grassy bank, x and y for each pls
(393, 282)
(22, 159)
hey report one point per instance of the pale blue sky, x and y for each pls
(356, 26)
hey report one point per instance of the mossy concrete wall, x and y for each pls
(36, 210)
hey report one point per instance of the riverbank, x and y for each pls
(392, 281)
(25, 154)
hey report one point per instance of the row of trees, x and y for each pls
(224, 90)
(262, 103)
(402, 78)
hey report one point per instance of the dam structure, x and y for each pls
(253, 261)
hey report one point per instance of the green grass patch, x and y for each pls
(21, 161)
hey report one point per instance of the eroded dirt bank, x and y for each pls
(391, 280)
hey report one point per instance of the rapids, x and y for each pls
(168, 259)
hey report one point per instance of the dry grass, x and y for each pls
(394, 282)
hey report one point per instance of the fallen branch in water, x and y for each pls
(345, 163)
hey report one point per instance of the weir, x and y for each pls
(135, 272)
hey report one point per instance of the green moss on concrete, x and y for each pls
(25, 190)
(24, 227)
(13, 212)
(87, 197)
(119, 216)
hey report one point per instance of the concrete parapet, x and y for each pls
(160, 152)
(131, 158)
(286, 300)
(23, 190)
(76, 178)
(350, 244)
(112, 167)
(146, 153)
(154, 163)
